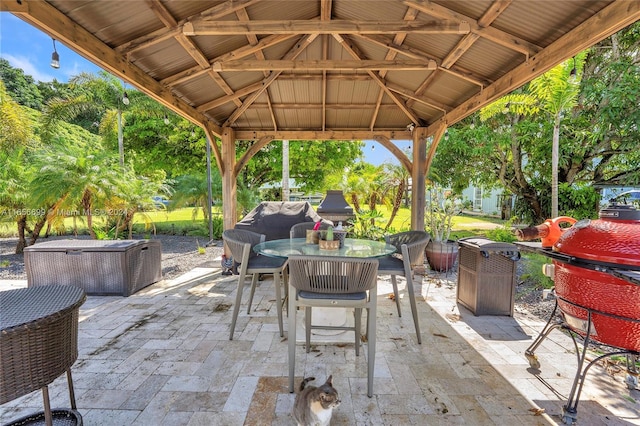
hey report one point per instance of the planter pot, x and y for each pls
(442, 255)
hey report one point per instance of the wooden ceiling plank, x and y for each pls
(59, 26)
(239, 53)
(320, 65)
(353, 51)
(611, 19)
(207, 28)
(505, 39)
(300, 46)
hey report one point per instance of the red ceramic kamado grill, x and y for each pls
(596, 271)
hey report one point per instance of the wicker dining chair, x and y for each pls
(299, 230)
(241, 242)
(410, 246)
(333, 282)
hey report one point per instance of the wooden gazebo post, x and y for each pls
(229, 200)
(418, 173)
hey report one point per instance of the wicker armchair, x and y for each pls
(333, 282)
(240, 243)
(410, 247)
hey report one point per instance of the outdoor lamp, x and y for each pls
(574, 71)
(55, 58)
(125, 98)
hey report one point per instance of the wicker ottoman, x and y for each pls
(99, 267)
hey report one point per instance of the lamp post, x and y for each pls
(125, 100)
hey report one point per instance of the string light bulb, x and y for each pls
(125, 98)
(55, 58)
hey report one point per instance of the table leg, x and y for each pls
(72, 395)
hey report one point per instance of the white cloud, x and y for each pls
(28, 67)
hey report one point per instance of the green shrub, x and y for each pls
(533, 270)
(503, 233)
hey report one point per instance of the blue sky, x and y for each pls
(30, 49)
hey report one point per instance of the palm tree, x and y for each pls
(75, 180)
(558, 91)
(397, 182)
(554, 92)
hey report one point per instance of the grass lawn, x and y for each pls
(187, 221)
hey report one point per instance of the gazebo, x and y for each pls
(264, 70)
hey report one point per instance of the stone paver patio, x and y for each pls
(162, 357)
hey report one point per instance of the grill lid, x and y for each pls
(612, 239)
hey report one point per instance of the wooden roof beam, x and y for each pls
(320, 135)
(320, 65)
(204, 28)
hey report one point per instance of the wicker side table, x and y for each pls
(38, 341)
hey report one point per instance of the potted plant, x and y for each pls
(441, 206)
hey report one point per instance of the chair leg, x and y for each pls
(307, 327)
(291, 336)
(236, 307)
(254, 284)
(414, 308)
(72, 395)
(394, 282)
(357, 312)
(276, 283)
(48, 418)
(371, 345)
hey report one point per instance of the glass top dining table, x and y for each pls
(353, 247)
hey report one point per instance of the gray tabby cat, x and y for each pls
(314, 405)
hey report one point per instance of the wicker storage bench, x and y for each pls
(99, 267)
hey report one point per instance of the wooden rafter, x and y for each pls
(239, 53)
(302, 44)
(468, 40)
(253, 150)
(499, 37)
(460, 72)
(189, 46)
(325, 15)
(162, 34)
(353, 51)
(398, 39)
